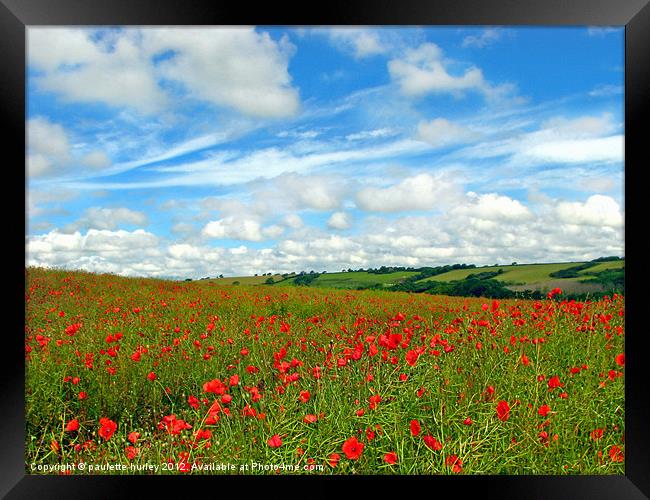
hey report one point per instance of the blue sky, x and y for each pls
(190, 152)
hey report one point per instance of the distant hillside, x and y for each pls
(594, 277)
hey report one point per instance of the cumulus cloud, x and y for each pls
(423, 71)
(420, 192)
(441, 132)
(233, 67)
(96, 160)
(106, 218)
(293, 221)
(48, 147)
(493, 207)
(50, 150)
(598, 210)
(481, 229)
(360, 42)
(339, 220)
(119, 251)
(114, 70)
(233, 228)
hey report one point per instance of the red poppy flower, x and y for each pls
(415, 428)
(374, 401)
(468, 421)
(353, 448)
(275, 441)
(596, 434)
(620, 359)
(543, 410)
(390, 457)
(432, 442)
(72, 425)
(131, 452)
(503, 410)
(615, 454)
(554, 382)
(455, 463)
(304, 396)
(107, 428)
(151, 376)
(310, 419)
(334, 459)
(134, 436)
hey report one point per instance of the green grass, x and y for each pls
(604, 266)
(245, 280)
(520, 274)
(356, 279)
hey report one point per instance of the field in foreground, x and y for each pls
(132, 376)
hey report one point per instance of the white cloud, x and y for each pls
(273, 231)
(96, 160)
(598, 210)
(339, 220)
(233, 228)
(182, 228)
(107, 218)
(492, 207)
(294, 221)
(597, 184)
(606, 90)
(583, 139)
(481, 229)
(441, 132)
(371, 134)
(423, 71)
(360, 42)
(579, 127)
(50, 151)
(601, 31)
(81, 70)
(485, 38)
(421, 192)
(233, 67)
(264, 164)
(603, 149)
(48, 147)
(316, 192)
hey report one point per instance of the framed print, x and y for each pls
(378, 243)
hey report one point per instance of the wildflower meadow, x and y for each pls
(146, 376)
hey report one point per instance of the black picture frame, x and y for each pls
(17, 15)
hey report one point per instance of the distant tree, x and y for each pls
(221, 275)
(269, 281)
(514, 264)
(235, 282)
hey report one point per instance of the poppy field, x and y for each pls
(146, 376)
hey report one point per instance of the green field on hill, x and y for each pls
(519, 274)
(355, 279)
(516, 278)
